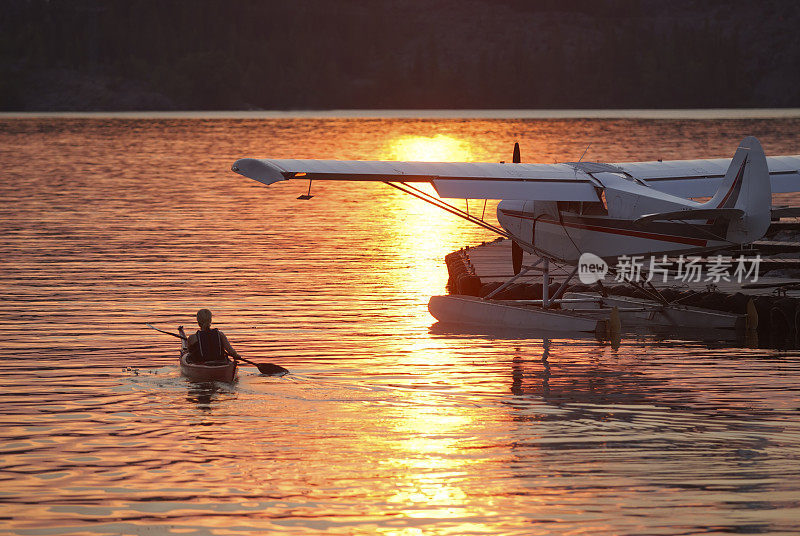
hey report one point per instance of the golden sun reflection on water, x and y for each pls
(434, 466)
(439, 148)
(425, 233)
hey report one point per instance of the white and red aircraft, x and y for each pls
(560, 211)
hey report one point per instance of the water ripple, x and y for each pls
(387, 424)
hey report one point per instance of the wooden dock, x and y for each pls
(491, 262)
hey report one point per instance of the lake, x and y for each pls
(387, 424)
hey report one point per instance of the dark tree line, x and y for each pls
(316, 54)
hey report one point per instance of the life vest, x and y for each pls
(209, 346)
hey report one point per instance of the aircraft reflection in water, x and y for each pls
(581, 383)
(562, 377)
(623, 373)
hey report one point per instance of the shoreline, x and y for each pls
(646, 114)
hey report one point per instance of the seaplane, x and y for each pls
(559, 212)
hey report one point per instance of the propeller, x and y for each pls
(516, 251)
(516, 257)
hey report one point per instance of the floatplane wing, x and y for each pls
(455, 180)
(701, 178)
(542, 182)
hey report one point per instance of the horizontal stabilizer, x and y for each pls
(692, 214)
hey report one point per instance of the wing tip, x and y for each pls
(259, 170)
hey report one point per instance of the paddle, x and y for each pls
(264, 368)
(166, 332)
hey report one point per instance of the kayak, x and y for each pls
(212, 371)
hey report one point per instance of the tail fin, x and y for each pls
(746, 186)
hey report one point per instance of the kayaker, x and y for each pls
(208, 344)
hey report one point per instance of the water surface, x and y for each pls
(388, 424)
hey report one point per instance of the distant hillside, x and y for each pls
(321, 54)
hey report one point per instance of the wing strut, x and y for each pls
(428, 198)
(435, 201)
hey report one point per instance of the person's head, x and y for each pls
(204, 318)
